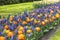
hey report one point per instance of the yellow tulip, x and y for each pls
(6, 27)
(43, 23)
(7, 31)
(29, 31)
(46, 20)
(57, 15)
(37, 29)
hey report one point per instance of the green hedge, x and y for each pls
(3, 2)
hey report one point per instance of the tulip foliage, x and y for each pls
(30, 25)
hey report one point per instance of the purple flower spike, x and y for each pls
(12, 38)
(0, 33)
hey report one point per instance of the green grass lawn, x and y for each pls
(15, 8)
(56, 36)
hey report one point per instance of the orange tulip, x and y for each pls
(6, 27)
(21, 37)
(24, 22)
(11, 18)
(21, 28)
(29, 31)
(28, 19)
(37, 29)
(20, 32)
(2, 38)
(9, 34)
(57, 15)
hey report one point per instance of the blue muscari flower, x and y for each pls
(0, 21)
(54, 12)
(33, 28)
(19, 23)
(29, 24)
(37, 11)
(14, 26)
(25, 28)
(0, 33)
(37, 18)
(12, 38)
(16, 31)
(34, 16)
(15, 18)
(4, 20)
(22, 17)
(11, 27)
(31, 16)
(25, 14)
(47, 10)
(7, 22)
(41, 10)
(41, 18)
(1, 27)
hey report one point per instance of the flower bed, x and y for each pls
(30, 26)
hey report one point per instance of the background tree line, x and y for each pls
(4, 2)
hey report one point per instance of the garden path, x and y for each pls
(49, 34)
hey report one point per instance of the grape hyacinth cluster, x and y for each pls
(29, 26)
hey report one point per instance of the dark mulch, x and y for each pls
(49, 34)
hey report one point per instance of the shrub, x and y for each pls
(4, 2)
